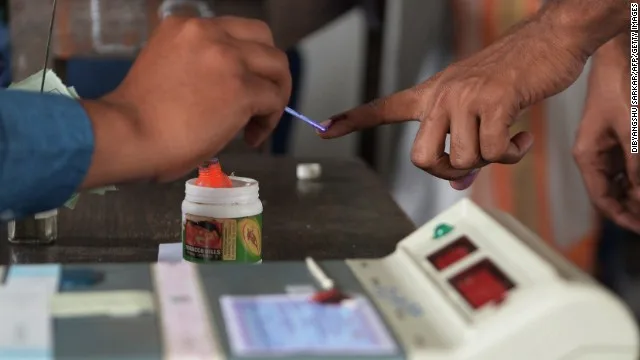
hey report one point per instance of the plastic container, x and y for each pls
(222, 224)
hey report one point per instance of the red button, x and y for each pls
(481, 284)
(452, 253)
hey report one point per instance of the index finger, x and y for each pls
(406, 105)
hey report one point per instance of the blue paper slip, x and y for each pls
(281, 325)
(46, 276)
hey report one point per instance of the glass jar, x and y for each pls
(38, 229)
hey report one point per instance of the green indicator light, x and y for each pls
(442, 230)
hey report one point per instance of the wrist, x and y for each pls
(583, 26)
(120, 152)
(615, 52)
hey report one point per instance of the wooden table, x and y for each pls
(347, 213)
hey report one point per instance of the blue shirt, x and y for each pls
(46, 145)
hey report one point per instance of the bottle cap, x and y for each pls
(211, 175)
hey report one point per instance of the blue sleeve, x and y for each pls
(46, 145)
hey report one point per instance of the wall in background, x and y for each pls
(332, 82)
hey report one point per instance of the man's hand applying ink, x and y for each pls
(602, 149)
(477, 100)
(196, 84)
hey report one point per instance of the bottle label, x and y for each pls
(206, 239)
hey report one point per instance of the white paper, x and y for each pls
(186, 326)
(25, 324)
(52, 84)
(170, 252)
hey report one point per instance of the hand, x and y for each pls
(602, 149)
(476, 100)
(196, 84)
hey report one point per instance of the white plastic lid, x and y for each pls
(310, 171)
(244, 191)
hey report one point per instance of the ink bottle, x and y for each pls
(221, 217)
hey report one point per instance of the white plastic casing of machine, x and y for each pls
(489, 289)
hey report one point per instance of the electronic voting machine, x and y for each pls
(469, 285)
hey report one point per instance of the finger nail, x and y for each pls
(326, 125)
(465, 182)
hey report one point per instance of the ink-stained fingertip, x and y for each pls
(465, 182)
(326, 125)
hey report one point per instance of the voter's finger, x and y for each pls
(464, 148)
(428, 151)
(403, 106)
(496, 143)
(465, 182)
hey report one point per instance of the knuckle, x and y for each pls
(420, 114)
(283, 62)
(578, 151)
(421, 159)
(488, 107)
(434, 116)
(462, 161)
(260, 26)
(194, 29)
(228, 55)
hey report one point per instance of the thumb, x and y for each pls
(406, 105)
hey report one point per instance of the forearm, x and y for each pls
(585, 25)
